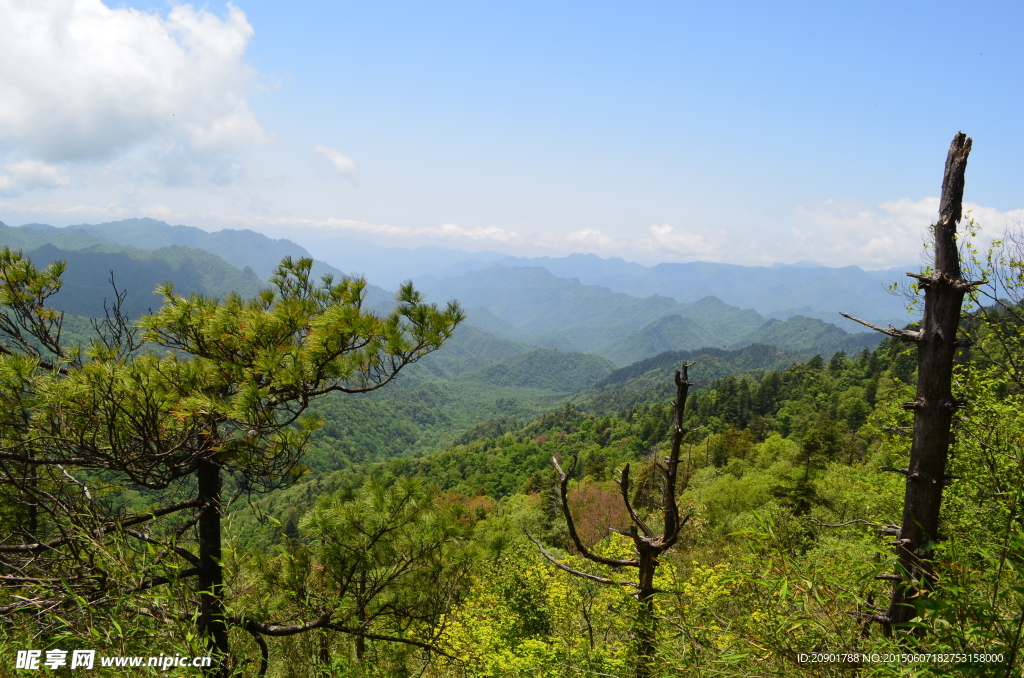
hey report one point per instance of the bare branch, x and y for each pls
(624, 485)
(571, 525)
(160, 581)
(264, 651)
(562, 566)
(324, 622)
(105, 529)
(253, 626)
(183, 552)
(849, 522)
(905, 335)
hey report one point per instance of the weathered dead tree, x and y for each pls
(934, 406)
(647, 546)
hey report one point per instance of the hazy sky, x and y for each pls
(659, 131)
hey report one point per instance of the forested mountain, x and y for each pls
(433, 403)
(643, 382)
(809, 336)
(139, 272)
(546, 368)
(498, 374)
(535, 302)
(784, 481)
(34, 236)
(776, 291)
(480, 375)
(668, 333)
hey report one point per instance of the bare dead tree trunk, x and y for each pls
(647, 547)
(934, 405)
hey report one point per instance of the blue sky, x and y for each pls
(740, 132)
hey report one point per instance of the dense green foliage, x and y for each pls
(785, 484)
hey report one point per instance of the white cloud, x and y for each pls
(31, 174)
(583, 240)
(455, 232)
(848, 232)
(686, 244)
(452, 233)
(834, 233)
(71, 212)
(340, 163)
(80, 80)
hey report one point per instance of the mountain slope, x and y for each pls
(239, 248)
(650, 380)
(547, 369)
(34, 236)
(469, 349)
(670, 333)
(809, 336)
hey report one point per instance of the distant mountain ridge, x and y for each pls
(776, 291)
(240, 248)
(99, 245)
(534, 306)
(535, 301)
(138, 272)
(780, 291)
(531, 306)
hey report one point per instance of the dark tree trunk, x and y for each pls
(325, 654)
(646, 633)
(934, 406)
(211, 577)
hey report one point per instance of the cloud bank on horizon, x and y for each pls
(114, 112)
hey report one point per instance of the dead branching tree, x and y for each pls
(934, 406)
(647, 546)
